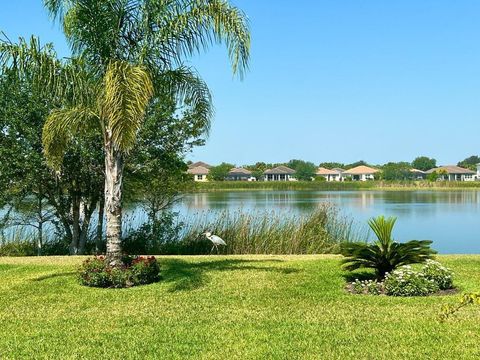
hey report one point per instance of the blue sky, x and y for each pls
(334, 80)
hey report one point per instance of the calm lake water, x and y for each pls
(450, 218)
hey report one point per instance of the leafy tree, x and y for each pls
(385, 254)
(355, 164)
(332, 165)
(67, 197)
(304, 170)
(219, 172)
(470, 162)
(424, 163)
(136, 50)
(396, 171)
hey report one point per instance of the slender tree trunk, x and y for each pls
(75, 225)
(113, 203)
(98, 239)
(40, 223)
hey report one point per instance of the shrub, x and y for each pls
(407, 282)
(385, 254)
(440, 274)
(96, 272)
(371, 287)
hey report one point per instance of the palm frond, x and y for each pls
(61, 126)
(185, 27)
(128, 90)
(189, 90)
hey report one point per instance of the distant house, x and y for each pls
(330, 175)
(199, 173)
(418, 174)
(240, 174)
(361, 173)
(453, 173)
(280, 173)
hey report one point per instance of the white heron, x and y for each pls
(216, 240)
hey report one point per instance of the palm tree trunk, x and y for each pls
(113, 203)
(98, 240)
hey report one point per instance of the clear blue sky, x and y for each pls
(335, 80)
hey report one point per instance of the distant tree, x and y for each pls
(220, 172)
(332, 165)
(305, 170)
(424, 163)
(470, 162)
(355, 164)
(396, 171)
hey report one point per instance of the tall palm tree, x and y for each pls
(136, 50)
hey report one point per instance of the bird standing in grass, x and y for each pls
(216, 240)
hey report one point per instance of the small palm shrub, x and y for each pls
(407, 282)
(97, 272)
(385, 254)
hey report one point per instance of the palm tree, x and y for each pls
(135, 50)
(385, 254)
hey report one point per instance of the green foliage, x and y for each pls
(424, 163)
(332, 165)
(436, 272)
(396, 171)
(367, 287)
(470, 162)
(466, 300)
(220, 172)
(385, 254)
(433, 176)
(157, 236)
(304, 170)
(405, 281)
(96, 272)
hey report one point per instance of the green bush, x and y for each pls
(96, 272)
(370, 287)
(407, 282)
(18, 248)
(385, 254)
(440, 274)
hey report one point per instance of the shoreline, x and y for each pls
(222, 186)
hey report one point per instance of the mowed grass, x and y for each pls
(236, 307)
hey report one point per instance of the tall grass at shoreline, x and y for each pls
(319, 232)
(258, 232)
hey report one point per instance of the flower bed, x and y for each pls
(140, 270)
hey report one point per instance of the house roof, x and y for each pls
(325, 171)
(452, 169)
(340, 170)
(280, 170)
(417, 171)
(239, 171)
(359, 170)
(198, 170)
(199, 163)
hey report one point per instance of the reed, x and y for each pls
(319, 232)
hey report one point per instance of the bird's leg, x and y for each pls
(211, 251)
(218, 251)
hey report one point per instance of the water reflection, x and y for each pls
(449, 218)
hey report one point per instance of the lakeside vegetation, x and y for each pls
(242, 307)
(332, 185)
(261, 232)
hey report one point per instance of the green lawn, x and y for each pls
(242, 307)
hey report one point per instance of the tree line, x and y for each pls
(306, 170)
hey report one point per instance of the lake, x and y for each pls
(449, 218)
